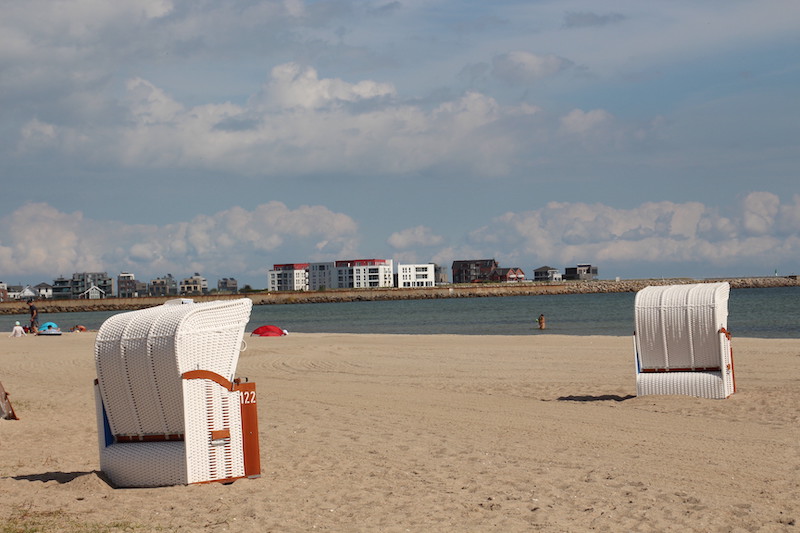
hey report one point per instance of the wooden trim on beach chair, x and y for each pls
(6, 409)
(207, 374)
(697, 369)
(148, 438)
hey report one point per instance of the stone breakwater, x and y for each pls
(447, 291)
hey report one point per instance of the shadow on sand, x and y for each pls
(59, 477)
(601, 398)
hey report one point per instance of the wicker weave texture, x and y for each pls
(681, 341)
(210, 407)
(677, 326)
(140, 356)
(701, 384)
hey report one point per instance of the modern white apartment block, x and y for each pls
(320, 276)
(416, 275)
(364, 273)
(288, 277)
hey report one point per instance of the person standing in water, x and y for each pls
(541, 321)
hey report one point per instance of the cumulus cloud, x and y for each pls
(654, 233)
(759, 212)
(40, 240)
(579, 122)
(293, 86)
(414, 237)
(297, 124)
(758, 234)
(526, 67)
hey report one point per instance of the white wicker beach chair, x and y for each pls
(169, 410)
(681, 340)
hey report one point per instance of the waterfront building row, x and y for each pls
(99, 285)
(489, 270)
(352, 274)
(346, 274)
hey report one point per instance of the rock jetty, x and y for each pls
(477, 290)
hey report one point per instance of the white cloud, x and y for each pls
(580, 122)
(759, 210)
(414, 237)
(655, 233)
(310, 125)
(293, 86)
(526, 67)
(40, 240)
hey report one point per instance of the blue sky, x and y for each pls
(649, 138)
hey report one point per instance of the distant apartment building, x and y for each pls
(546, 273)
(473, 270)
(228, 285)
(422, 275)
(62, 288)
(129, 287)
(440, 275)
(3, 292)
(196, 284)
(320, 276)
(84, 281)
(82, 285)
(288, 277)
(581, 272)
(166, 286)
(364, 273)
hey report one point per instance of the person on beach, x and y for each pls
(17, 330)
(541, 322)
(34, 317)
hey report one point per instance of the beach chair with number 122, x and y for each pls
(169, 410)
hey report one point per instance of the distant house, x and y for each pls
(92, 293)
(581, 272)
(28, 293)
(507, 275)
(546, 273)
(44, 290)
(473, 270)
(19, 292)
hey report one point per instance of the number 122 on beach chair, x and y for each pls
(169, 410)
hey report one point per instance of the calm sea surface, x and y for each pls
(766, 313)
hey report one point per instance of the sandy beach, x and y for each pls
(398, 433)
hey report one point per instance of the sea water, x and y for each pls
(764, 313)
